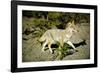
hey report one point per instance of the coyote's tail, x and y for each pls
(42, 39)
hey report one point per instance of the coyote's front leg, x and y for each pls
(70, 43)
(49, 46)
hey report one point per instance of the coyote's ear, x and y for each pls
(73, 23)
(69, 24)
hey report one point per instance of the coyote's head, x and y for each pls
(71, 25)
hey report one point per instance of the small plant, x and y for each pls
(63, 51)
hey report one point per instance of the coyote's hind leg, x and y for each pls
(45, 43)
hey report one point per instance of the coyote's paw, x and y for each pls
(74, 50)
(42, 51)
(52, 52)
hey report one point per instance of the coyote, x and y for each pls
(62, 36)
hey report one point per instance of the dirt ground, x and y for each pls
(31, 50)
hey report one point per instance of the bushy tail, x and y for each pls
(42, 39)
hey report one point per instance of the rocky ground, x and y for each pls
(31, 50)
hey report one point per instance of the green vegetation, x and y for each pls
(63, 51)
